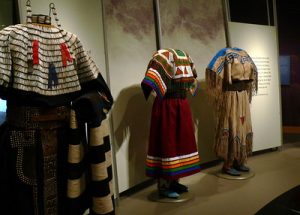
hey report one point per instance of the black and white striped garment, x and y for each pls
(95, 154)
(18, 70)
(46, 65)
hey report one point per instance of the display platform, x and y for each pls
(155, 197)
(243, 176)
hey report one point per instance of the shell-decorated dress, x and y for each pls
(43, 68)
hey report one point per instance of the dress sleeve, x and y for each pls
(154, 79)
(193, 67)
(89, 75)
(195, 85)
(5, 58)
(86, 67)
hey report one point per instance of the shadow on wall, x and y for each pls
(131, 121)
(205, 122)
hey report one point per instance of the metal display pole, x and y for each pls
(227, 18)
(157, 24)
(114, 159)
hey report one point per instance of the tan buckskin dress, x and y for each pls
(232, 77)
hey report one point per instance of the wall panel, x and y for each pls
(131, 42)
(260, 41)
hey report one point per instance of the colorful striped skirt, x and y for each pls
(172, 151)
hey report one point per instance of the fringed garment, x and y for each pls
(232, 78)
(172, 150)
(44, 169)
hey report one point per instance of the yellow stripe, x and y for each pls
(44, 25)
(102, 205)
(99, 171)
(97, 134)
(157, 80)
(75, 153)
(76, 187)
(73, 120)
(108, 158)
(173, 162)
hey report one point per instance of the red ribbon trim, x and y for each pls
(65, 54)
(35, 52)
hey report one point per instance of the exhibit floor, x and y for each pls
(275, 173)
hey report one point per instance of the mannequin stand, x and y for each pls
(243, 176)
(155, 197)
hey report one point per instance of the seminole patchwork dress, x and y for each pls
(232, 78)
(172, 151)
(44, 168)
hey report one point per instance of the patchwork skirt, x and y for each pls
(172, 151)
(34, 151)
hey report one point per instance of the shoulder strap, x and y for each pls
(52, 8)
(29, 12)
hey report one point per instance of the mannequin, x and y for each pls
(172, 152)
(232, 78)
(52, 88)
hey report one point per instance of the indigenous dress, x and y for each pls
(43, 157)
(232, 77)
(172, 151)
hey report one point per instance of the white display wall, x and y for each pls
(130, 31)
(261, 44)
(6, 16)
